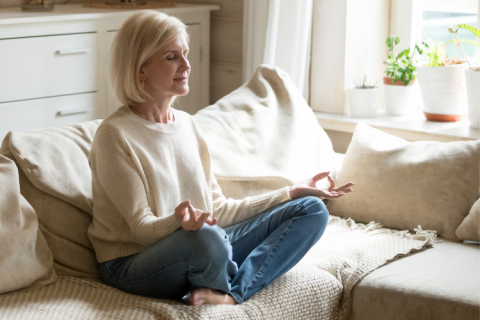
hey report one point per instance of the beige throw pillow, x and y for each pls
(263, 136)
(403, 184)
(56, 180)
(470, 227)
(26, 262)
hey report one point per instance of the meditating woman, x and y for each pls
(161, 226)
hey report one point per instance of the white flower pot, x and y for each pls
(444, 92)
(473, 91)
(363, 102)
(398, 98)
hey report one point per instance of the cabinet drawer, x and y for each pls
(49, 112)
(47, 66)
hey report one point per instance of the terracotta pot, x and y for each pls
(444, 92)
(397, 83)
(398, 98)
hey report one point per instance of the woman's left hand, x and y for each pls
(308, 188)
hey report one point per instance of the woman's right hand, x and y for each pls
(192, 219)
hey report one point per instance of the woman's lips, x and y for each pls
(181, 79)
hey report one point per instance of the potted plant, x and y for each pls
(472, 75)
(363, 97)
(399, 92)
(442, 84)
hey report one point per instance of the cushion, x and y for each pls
(55, 179)
(404, 184)
(26, 262)
(440, 283)
(469, 229)
(55, 160)
(263, 136)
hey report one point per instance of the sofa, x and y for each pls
(403, 245)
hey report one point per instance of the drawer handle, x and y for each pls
(70, 51)
(73, 110)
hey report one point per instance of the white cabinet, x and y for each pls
(53, 64)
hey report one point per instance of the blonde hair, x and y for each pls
(140, 37)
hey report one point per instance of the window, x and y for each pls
(437, 15)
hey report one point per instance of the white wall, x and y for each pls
(348, 42)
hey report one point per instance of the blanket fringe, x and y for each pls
(373, 228)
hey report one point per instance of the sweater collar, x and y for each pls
(162, 127)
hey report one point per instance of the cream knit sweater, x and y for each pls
(142, 170)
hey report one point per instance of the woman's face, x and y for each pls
(166, 72)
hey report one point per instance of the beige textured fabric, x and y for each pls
(469, 229)
(142, 170)
(404, 184)
(318, 287)
(264, 136)
(26, 262)
(56, 180)
(439, 284)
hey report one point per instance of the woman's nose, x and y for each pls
(185, 64)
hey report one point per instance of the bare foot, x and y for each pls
(204, 295)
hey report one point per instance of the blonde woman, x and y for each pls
(161, 226)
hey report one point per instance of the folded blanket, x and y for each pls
(318, 287)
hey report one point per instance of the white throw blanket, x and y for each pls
(264, 136)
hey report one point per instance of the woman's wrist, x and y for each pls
(291, 192)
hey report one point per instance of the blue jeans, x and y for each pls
(238, 260)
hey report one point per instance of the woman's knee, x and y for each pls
(315, 207)
(211, 243)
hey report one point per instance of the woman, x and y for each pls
(161, 226)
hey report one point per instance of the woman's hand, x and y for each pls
(309, 188)
(192, 219)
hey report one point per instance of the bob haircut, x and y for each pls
(140, 37)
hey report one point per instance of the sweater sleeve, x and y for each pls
(118, 174)
(231, 211)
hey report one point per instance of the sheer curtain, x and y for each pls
(278, 32)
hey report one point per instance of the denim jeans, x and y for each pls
(238, 260)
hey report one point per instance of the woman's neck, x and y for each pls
(153, 113)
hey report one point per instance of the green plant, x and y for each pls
(401, 67)
(364, 83)
(435, 53)
(472, 29)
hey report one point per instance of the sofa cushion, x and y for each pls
(55, 160)
(441, 283)
(26, 262)
(263, 136)
(403, 184)
(470, 227)
(55, 179)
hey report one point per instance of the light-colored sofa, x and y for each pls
(52, 273)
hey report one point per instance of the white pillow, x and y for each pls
(263, 136)
(403, 184)
(470, 227)
(26, 262)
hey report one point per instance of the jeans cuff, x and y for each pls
(235, 296)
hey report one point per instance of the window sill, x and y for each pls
(413, 127)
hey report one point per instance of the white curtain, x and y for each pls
(278, 32)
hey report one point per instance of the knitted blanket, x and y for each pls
(318, 287)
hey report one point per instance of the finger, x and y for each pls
(201, 220)
(344, 186)
(337, 195)
(320, 176)
(182, 206)
(332, 182)
(211, 221)
(193, 216)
